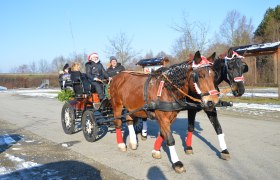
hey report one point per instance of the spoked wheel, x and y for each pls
(89, 126)
(68, 118)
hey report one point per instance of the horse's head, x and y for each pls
(235, 68)
(203, 76)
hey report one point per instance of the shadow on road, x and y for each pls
(56, 170)
(7, 140)
(179, 127)
(155, 173)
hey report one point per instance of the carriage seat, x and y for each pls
(65, 81)
(81, 86)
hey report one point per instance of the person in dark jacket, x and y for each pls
(64, 77)
(115, 67)
(76, 78)
(95, 73)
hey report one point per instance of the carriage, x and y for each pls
(85, 112)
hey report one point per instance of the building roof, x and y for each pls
(265, 48)
(151, 61)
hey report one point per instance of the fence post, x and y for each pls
(278, 70)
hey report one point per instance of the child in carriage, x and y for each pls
(64, 77)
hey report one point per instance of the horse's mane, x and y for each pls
(175, 73)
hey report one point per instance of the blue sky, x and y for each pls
(31, 30)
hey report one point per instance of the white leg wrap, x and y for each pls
(121, 145)
(222, 141)
(173, 154)
(132, 134)
(145, 127)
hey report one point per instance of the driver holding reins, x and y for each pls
(96, 73)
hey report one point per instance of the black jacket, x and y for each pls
(114, 71)
(95, 70)
(75, 76)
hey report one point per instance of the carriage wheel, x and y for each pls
(138, 125)
(89, 126)
(68, 118)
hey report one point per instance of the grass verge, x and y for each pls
(257, 100)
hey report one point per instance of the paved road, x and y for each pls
(253, 141)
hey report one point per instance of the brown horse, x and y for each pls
(160, 95)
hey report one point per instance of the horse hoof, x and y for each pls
(188, 152)
(225, 155)
(133, 146)
(143, 138)
(156, 154)
(179, 167)
(122, 147)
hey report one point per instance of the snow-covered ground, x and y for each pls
(48, 93)
(269, 92)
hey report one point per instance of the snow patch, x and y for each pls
(2, 88)
(48, 93)
(6, 140)
(270, 107)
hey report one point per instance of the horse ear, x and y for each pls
(212, 57)
(165, 61)
(230, 52)
(197, 57)
(245, 67)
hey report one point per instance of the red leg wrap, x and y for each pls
(158, 143)
(189, 139)
(119, 136)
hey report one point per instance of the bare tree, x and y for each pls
(13, 70)
(193, 37)
(81, 59)
(121, 47)
(236, 30)
(43, 66)
(33, 67)
(149, 54)
(23, 69)
(58, 63)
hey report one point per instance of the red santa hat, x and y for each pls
(91, 55)
(203, 62)
(234, 54)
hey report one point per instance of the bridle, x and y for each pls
(196, 77)
(232, 58)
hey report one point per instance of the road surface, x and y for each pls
(34, 123)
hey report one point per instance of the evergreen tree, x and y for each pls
(269, 28)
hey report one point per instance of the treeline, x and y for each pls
(14, 81)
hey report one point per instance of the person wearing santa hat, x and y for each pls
(96, 73)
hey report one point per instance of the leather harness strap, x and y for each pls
(180, 90)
